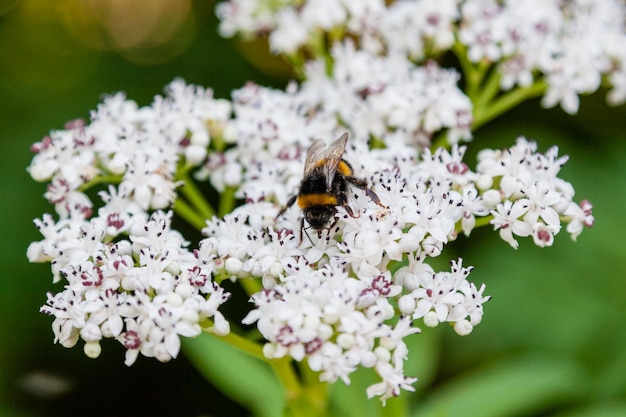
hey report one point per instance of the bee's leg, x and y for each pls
(330, 229)
(284, 209)
(303, 229)
(362, 184)
(350, 212)
(371, 194)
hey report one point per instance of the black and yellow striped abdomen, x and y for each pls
(312, 200)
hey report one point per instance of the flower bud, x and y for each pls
(92, 349)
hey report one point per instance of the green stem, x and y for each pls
(217, 142)
(440, 141)
(299, 402)
(318, 44)
(480, 222)
(192, 193)
(483, 92)
(253, 349)
(296, 62)
(316, 391)
(104, 179)
(474, 74)
(306, 399)
(250, 285)
(189, 214)
(227, 201)
(506, 102)
(490, 89)
(466, 66)
(285, 372)
(309, 400)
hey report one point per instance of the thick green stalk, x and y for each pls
(489, 89)
(473, 74)
(227, 201)
(101, 179)
(250, 285)
(189, 214)
(480, 222)
(245, 345)
(302, 401)
(194, 196)
(504, 102)
(316, 391)
(286, 373)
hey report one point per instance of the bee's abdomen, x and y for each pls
(313, 200)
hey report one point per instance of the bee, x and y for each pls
(324, 187)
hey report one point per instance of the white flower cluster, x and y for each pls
(145, 291)
(532, 200)
(340, 298)
(333, 301)
(375, 97)
(139, 147)
(331, 296)
(129, 276)
(572, 43)
(378, 95)
(414, 27)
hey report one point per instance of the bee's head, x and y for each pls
(319, 217)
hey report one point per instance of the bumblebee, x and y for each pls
(324, 187)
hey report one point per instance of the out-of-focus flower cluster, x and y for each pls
(570, 45)
(378, 95)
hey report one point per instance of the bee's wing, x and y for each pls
(332, 157)
(315, 154)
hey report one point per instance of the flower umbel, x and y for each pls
(331, 298)
(348, 295)
(568, 45)
(138, 290)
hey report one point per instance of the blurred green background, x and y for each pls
(552, 342)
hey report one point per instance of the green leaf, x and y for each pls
(352, 401)
(598, 410)
(515, 386)
(247, 380)
(423, 361)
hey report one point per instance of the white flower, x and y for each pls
(392, 382)
(69, 315)
(290, 32)
(508, 219)
(580, 216)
